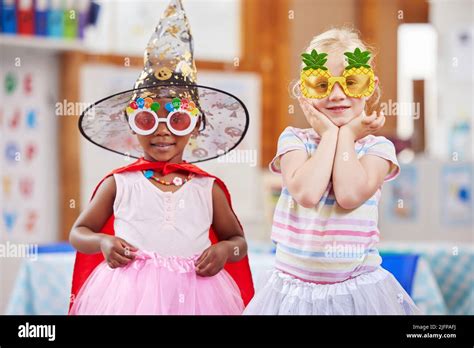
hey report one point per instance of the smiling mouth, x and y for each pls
(338, 108)
(163, 145)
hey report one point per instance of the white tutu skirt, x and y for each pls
(371, 293)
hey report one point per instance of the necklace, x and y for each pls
(177, 181)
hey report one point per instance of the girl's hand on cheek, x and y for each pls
(363, 125)
(318, 121)
(212, 260)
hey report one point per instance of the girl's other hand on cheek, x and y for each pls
(363, 125)
(318, 121)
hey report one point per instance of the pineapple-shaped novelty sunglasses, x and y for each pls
(356, 81)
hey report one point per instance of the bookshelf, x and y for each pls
(40, 42)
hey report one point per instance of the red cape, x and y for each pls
(86, 263)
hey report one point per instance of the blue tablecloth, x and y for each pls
(426, 292)
(43, 285)
(451, 266)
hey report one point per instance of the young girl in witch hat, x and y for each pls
(159, 235)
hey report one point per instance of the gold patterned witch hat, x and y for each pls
(169, 71)
(169, 54)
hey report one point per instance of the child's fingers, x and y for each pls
(206, 271)
(302, 101)
(203, 264)
(370, 118)
(126, 252)
(201, 272)
(121, 260)
(305, 106)
(363, 114)
(205, 261)
(378, 123)
(127, 249)
(308, 108)
(112, 264)
(382, 122)
(127, 244)
(200, 258)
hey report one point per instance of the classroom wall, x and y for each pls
(111, 36)
(28, 122)
(429, 199)
(451, 19)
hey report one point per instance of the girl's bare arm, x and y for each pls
(231, 247)
(307, 178)
(354, 180)
(85, 235)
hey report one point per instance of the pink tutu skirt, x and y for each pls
(154, 284)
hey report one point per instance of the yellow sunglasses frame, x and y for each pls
(305, 74)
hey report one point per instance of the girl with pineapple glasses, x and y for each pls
(325, 221)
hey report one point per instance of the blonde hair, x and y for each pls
(343, 39)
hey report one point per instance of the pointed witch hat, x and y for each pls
(169, 72)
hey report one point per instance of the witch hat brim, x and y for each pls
(169, 71)
(225, 123)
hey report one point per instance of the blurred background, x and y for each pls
(59, 56)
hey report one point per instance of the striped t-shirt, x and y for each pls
(326, 243)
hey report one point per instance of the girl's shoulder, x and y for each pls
(128, 175)
(306, 135)
(203, 181)
(291, 139)
(127, 178)
(374, 142)
(374, 139)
